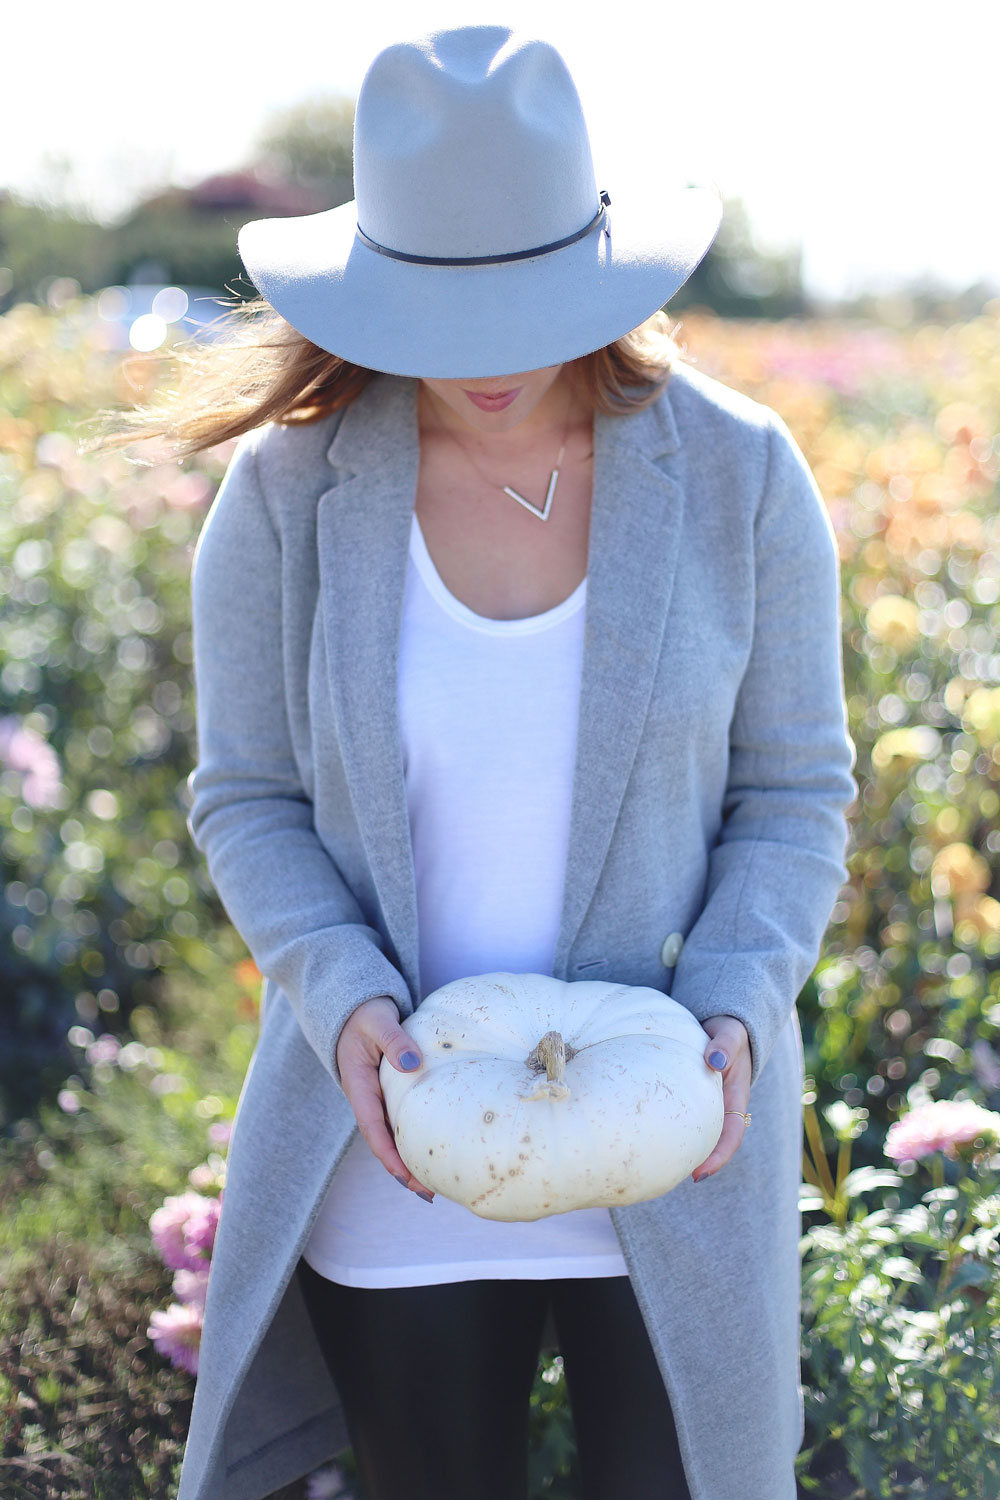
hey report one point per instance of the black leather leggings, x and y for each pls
(436, 1380)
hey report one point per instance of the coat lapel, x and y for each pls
(363, 533)
(635, 525)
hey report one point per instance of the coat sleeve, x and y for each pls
(779, 861)
(249, 813)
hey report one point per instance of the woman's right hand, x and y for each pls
(371, 1031)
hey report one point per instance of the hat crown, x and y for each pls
(471, 142)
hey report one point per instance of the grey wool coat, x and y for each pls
(707, 847)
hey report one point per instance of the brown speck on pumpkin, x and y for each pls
(487, 1117)
(430, 1150)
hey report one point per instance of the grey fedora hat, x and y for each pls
(477, 242)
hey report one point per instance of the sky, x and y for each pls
(866, 132)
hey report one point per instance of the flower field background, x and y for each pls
(129, 1005)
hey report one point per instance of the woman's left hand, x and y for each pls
(730, 1048)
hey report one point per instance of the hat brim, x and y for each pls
(469, 322)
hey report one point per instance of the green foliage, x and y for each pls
(190, 246)
(900, 1334)
(88, 1405)
(101, 1167)
(901, 1338)
(552, 1465)
(102, 889)
(737, 279)
(310, 144)
(39, 241)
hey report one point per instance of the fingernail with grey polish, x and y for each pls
(718, 1059)
(409, 1061)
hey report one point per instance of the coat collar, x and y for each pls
(363, 533)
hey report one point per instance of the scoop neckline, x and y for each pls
(526, 625)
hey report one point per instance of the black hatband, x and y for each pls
(489, 260)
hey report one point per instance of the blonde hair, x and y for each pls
(261, 369)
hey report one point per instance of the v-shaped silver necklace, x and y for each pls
(543, 515)
(543, 512)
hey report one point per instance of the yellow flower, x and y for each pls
(981, 716)
(894, 620)
(916, 742)
(959, 868)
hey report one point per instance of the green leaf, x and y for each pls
(971, 1273)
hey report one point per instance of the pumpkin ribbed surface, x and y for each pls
(537, 1095)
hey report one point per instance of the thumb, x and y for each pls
(723, 1044)
(403, 1052)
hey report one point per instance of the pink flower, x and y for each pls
(943, 1125)
(186, 490)
(208, 1175)
(104, 1048)
(183, 1230)
(68, 1101)
(26, 751)
(191, 1287)
(845, 363)
(202, 1226)
(220, 1131)
(176, 1331)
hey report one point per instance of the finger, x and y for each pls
(396, 1044)
(364, 1094)
(403, 1054)
(729, 1142)
(407, 1176)
(726, 1052)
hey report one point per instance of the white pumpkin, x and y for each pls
(539, 1095)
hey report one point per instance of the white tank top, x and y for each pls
(488, 714)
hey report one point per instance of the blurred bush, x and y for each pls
(902, 430)
(100, 888)
(88, 1404)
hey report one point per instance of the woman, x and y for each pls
(516, 647)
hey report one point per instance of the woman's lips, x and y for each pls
(495, 402)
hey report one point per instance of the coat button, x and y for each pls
(671, 950)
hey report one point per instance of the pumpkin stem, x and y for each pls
(550, 1056)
